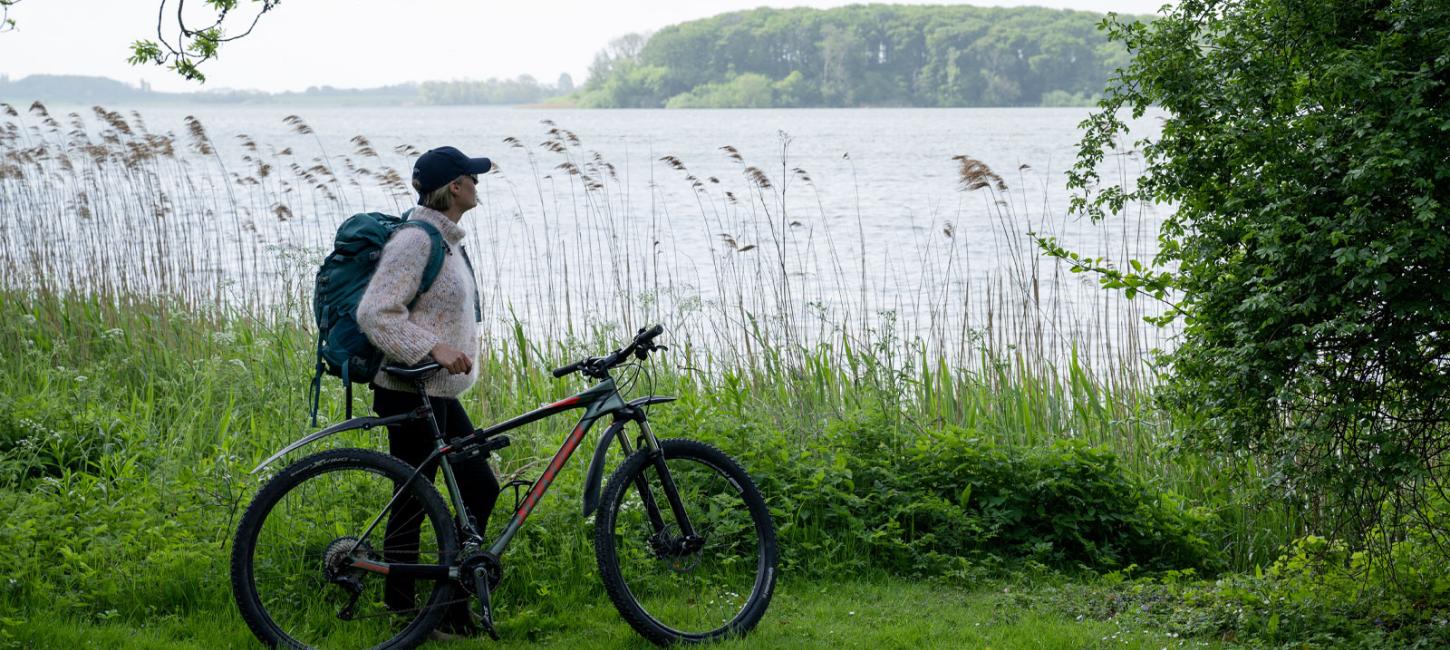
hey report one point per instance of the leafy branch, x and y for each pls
(1141, 279)
(6, 22)
(192, 46)
(1101, 133)
(1102, 129)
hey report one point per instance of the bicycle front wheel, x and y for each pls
(671, 586)
(293, 573)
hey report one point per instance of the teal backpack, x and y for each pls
(342, 348)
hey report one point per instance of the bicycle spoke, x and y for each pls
(694, 591)
(301, 561)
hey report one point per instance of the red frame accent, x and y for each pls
(372, 566)
(537, 492)
(567, 401)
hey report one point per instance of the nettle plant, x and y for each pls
(1304, 148)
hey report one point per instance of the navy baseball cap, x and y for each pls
(438, 167)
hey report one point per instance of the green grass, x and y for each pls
(877, 613)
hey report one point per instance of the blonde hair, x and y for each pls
(440, 199)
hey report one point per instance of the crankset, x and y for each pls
(479, 573)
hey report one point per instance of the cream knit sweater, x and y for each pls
(443, 314)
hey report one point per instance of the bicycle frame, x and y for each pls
(598, 401)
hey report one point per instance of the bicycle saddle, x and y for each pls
(412, 373)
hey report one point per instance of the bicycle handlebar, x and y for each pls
(642, 345)
(567, 370)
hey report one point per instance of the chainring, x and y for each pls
(492, 568)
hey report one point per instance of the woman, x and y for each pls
(440, 323)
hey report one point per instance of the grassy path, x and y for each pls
(882, 613)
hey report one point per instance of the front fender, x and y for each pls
(348, 425)
(595, 476)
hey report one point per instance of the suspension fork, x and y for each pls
(648, 442)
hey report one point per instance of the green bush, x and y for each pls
(1060, 98)
(748, 90)
(1317, 594)
(1303, 148)
(872, 493)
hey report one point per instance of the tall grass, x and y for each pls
(783, 312)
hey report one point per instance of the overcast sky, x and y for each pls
(364, 43)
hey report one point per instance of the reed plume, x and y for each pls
(973, 174)
(298, 125)
(199, 140)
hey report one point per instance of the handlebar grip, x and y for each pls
(652, 332)
(566, 370)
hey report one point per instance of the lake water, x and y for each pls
(860, 224)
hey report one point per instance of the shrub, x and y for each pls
(748, 90)
(868, 492)
(1317, 594)
(1304, 150)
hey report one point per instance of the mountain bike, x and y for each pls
(683, 539)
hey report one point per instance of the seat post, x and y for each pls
(427, 406)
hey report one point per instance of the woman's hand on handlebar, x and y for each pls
(456, 362)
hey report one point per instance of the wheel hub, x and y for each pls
(337, 558)
(679, 552)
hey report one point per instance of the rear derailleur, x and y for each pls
(337, 569)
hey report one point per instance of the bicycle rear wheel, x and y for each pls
(292, 573)
(672, 588)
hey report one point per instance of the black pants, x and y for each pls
(412, 442)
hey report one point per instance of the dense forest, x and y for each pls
(864, 55)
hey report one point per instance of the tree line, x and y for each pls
(872, 55)
(78, 89)
(523, 89)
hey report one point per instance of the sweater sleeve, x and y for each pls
(383, 313)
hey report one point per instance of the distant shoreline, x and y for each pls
(20, 106)
(91, 91)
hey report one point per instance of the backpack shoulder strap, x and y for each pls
(435, 255)
(477, 306)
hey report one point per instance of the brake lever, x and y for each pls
(643, 351)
